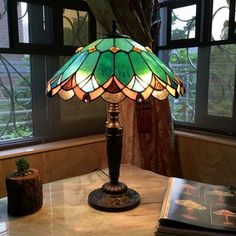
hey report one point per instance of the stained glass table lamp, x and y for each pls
(114, 67)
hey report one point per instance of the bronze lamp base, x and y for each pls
(114, 196)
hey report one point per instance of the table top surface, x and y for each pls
(65, 209)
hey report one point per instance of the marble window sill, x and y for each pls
(219, 139)
(16, 152)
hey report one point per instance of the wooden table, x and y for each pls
(65, 210)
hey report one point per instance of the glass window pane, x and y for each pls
(183, 22)
(221, 81)
(4, 36)
(75, 26)
(15, 97)
(23, 22)
(220, 20)
(184, 63)
(34, 23)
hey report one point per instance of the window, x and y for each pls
(183, 22)
(37, 40)
(197, 40)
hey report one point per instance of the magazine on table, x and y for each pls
(194, 208)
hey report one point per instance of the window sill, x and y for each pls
(51, 146)
(220, 139)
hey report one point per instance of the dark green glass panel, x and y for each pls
(74, 66)
(156, 69)
(87, 67)
(92, 45)
(135, 44)
(105, 45)
(123, 44)
(65, 66)
(163, 66)
(140, 66)
(123, 68)
(105, 67)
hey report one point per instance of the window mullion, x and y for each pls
(168, 27)
(206, 21)
(92, 27)
(58, 26)
(232, 27)
(12, 23)
(202, 85)
(39, 111)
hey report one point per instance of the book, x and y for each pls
(194, 208)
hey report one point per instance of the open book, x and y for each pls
(194, 208)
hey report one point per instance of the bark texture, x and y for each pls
(24, 193)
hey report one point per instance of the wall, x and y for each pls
(207, 158)
(57, 160)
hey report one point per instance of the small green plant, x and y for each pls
(22, 167)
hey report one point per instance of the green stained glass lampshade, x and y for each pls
(115, 67)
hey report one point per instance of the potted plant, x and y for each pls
(24, 189)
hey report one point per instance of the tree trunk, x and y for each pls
(24, 193)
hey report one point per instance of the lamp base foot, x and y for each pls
(114, 198)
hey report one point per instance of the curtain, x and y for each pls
(148, 137)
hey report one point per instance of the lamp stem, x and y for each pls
(114, 195)
(114, 142)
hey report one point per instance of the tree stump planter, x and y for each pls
(24, 193)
